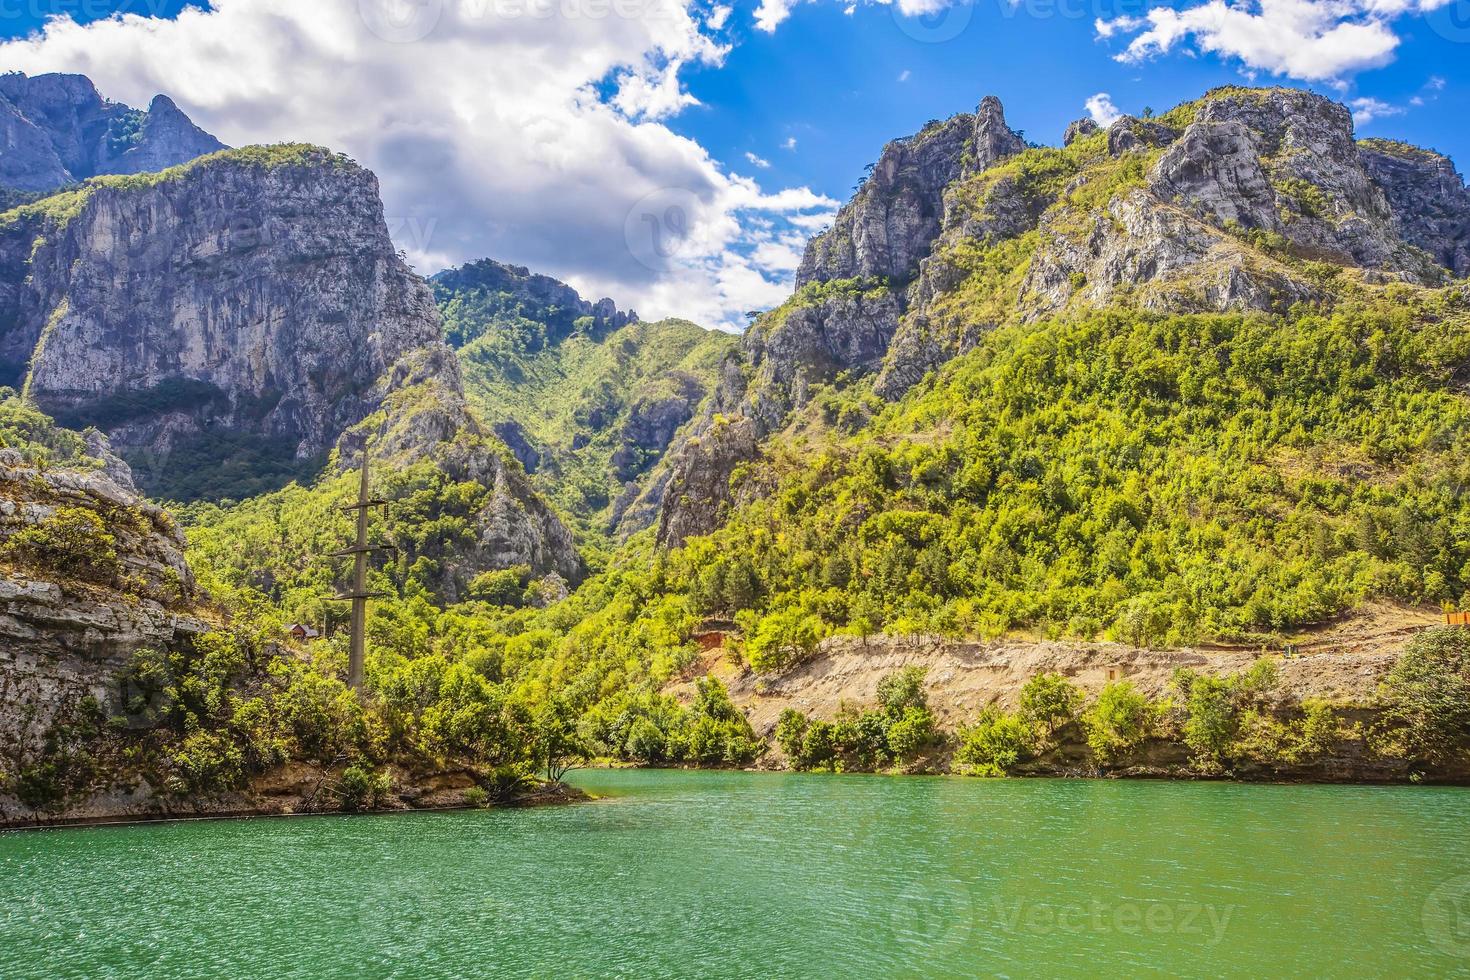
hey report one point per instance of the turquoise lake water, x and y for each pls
(770, 875)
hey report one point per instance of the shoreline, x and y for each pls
(562, 795)
(568, 794)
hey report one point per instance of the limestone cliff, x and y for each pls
(250, 293)
(89, 575)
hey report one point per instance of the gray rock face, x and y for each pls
(1129, 134)
(510, 432)
(1275, 162)
(60, 131)
(1431, 205)
(889, 225)
(61, 640)
(652, 423)
(1078, 129)
(29, 161)
(259, 297)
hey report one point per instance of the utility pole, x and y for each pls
(359, 594)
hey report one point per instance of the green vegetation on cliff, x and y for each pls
(587, 397)
(1160, 479)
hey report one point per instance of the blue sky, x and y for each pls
(557, 140)
(832, 81)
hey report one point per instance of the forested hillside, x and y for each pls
(1196, 379)
(587, 397)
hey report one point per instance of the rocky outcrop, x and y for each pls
(256, 292)
(425, 418)
(1234, 202)
(511, 296)
(69, 623)
(1431, 205)
(889, 225)
(57, 130)
(1078, 129)
(850, 298)
(1258, 179)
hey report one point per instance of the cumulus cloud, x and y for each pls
(770, 14)
(757, 161)
(1311, 40)
(525, 130)
(1365, 110)
(1100, 107)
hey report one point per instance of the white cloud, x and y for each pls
(524, 130)
(1312, 40)
(1100, 107)
(1121, 25)
(770, 14)
(904, 75)
(789, 144)
(718, 18)
(756, 161)
(1365, 110)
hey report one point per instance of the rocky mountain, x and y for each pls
(89, 575)
(232, 321)
(1247, 199)
(58, 130)
(587, 396)
(248, 303)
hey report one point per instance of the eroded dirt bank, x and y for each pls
(1341, 664)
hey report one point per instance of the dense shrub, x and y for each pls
(1119, 720)
(1049, 701)
(994, 744)
(1426, 697)
(72, 541)
(362, 789)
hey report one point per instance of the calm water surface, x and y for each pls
(736, 874)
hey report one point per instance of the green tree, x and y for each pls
(994, 744)
(1426, 697)
(71, 541)
(1119, 720)
(1049, 701)
(903, 689)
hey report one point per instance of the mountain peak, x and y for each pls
(59, 130)
(1244, 199)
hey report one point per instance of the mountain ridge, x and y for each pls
(58, 130)
(1243, 199)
